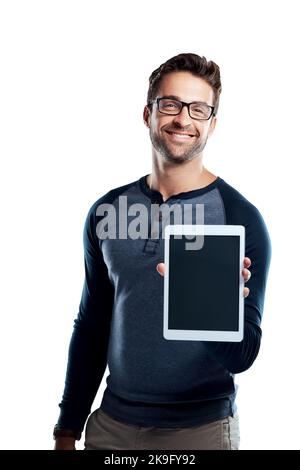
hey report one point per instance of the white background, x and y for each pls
(63, 64)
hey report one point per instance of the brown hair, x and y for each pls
(193, 63)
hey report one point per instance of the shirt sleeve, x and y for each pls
(87, 357)
(239, 356)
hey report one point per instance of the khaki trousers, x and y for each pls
(106, 433)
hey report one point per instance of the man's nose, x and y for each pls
(183, 118)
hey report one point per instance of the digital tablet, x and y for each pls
(203, 282)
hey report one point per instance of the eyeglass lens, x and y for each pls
(197, 110)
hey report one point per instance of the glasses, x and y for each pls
(197, 110)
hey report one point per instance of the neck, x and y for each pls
(171, 179)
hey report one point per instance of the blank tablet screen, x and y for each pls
(204, 283)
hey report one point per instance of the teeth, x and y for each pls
(183, 136)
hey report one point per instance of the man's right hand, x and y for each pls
(64, 443)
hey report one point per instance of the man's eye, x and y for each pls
(170, 105)
(199, 110)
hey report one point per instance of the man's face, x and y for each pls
(180, 138)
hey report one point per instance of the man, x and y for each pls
(160, 394)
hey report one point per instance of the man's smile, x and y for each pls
(179, 136)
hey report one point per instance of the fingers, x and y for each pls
(161, 268)
(246, 274)
(246, 292)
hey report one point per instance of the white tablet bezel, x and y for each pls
(204, 335)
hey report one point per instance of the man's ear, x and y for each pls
(146, 116)
(212, 126)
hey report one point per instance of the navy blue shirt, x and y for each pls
(153, 381)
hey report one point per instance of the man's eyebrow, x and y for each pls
(174, 97)
(171, 97)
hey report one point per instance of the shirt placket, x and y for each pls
(155, 226)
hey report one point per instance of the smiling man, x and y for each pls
(183, 137)
(160, 394)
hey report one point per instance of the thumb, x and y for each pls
(161, 268)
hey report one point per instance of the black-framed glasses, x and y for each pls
(196, 109)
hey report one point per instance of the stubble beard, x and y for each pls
(188, 152)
